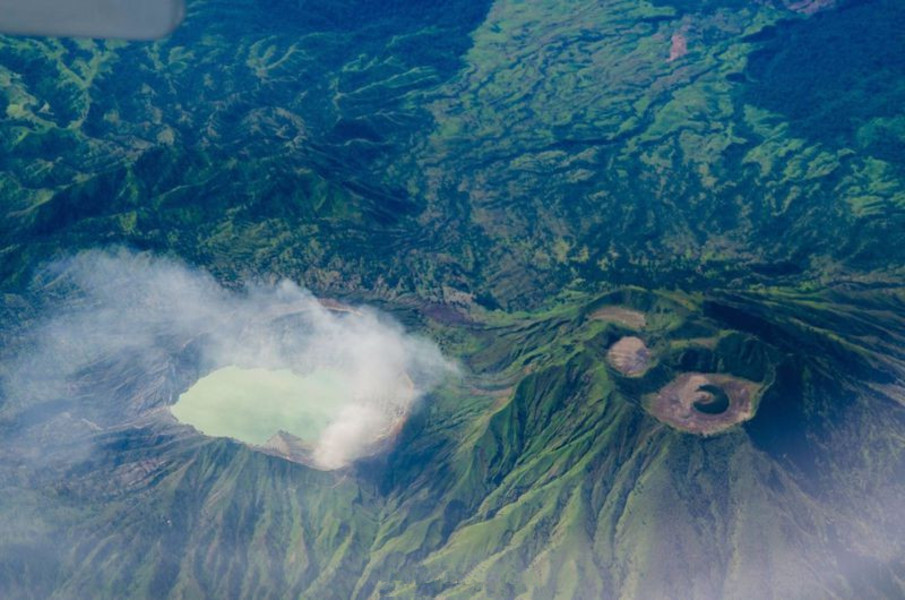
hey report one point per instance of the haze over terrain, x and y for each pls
(611, 293)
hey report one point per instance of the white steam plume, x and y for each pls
(121, 304)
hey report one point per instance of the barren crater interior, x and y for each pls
(253, 404)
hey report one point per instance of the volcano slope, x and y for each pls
(535, 474)
(527, 184)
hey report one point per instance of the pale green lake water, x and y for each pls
(251, 405)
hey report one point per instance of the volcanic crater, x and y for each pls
(705, 403)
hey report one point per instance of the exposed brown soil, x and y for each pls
(289, 447)
(629, 356)
(678, 46)
(285, 445)
(627, 317)
(675, 404)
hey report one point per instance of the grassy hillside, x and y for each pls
(536, 474)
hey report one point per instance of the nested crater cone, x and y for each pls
(705, 403)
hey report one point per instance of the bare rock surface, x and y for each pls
(627, 317)
(705, 403)
(630, 356)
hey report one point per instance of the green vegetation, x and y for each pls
(492, 174)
